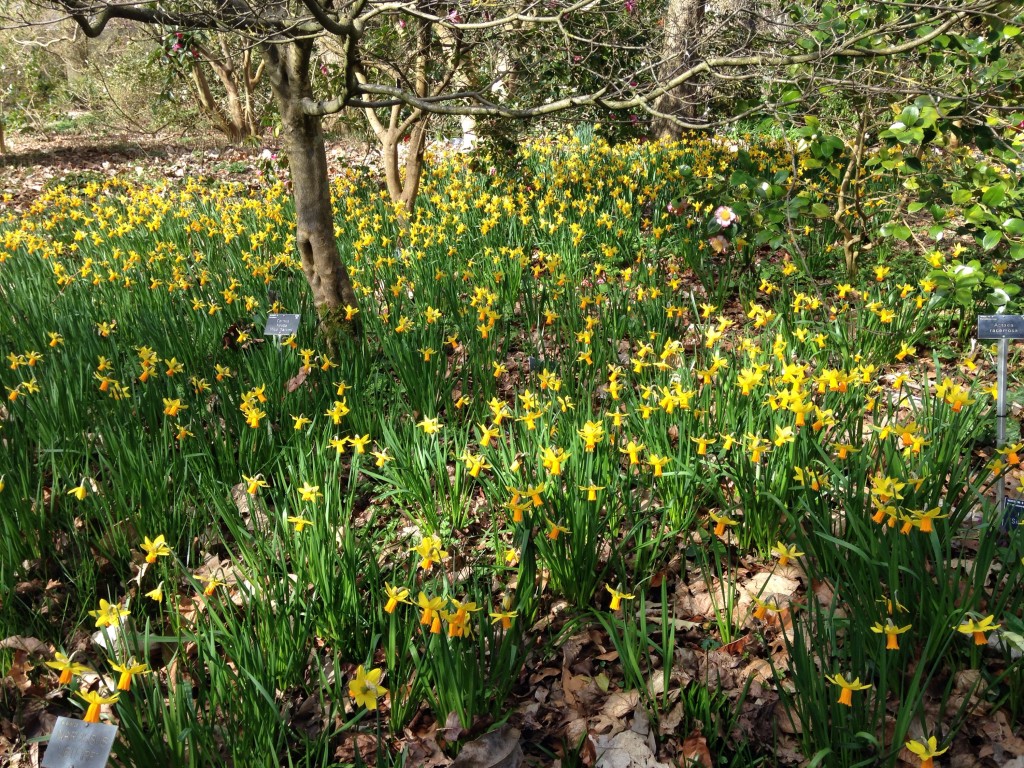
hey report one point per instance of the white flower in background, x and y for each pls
(725, 216)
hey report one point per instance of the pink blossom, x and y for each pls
(725, 216)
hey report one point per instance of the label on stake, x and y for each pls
(1001, 326)
(78, 744)
(281, 325)
(1012, 514)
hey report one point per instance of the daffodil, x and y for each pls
(555, 530)
(172, 408)
(763, 607)
(633, 449)
(785, 552)
(702, 444)
(891, 632)
(553, 459)
(299, 522)
(430, 611)
(978, 628)
(395, 595)
(430, 552)
(721, 522)
(617, 597)
(783, 436)
(926, 750)
(458, 620)
(95, 700)
(923, 518)
(155, 548)
(157, 593)
(338, 411)
(310, 492)
(430, 426)
(109, 614)
(475, 463)
(504, 616)
(365, 687)
(592, 434)
(847, 688)
(253, 484)
(212, 582)
(757, 446)
(67, 668)
(128, 671)
(657, 463)
(487, 434)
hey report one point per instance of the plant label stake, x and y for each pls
(1012, 515)
(1003, 328)
(281, 326)
(78, 744)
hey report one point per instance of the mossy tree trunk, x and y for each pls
(288, 66)
(683, 22)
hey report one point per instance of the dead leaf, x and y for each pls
(362, 744)
(298, 379)
(627, 749)
(421, 749)
(20, 667)
(670, 722)
(453, 729)
(694, 751)
(759, 669)
(620, 704)
(497, 749)
(30, 645)
(737, 646)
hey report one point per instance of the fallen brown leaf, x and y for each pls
(497, 749)
(694, 751)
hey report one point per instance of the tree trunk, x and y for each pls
(683, 19)
(288, 67)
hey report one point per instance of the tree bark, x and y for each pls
(683, 19)
(288, 65)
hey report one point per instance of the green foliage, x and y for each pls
(551, 403)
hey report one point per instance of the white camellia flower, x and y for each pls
(725, 216)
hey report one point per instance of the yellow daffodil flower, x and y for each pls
(365, 687)
(926, 750)
(847, 688)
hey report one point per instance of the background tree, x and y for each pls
(588, 53)
(232, 97)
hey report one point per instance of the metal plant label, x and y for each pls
(1001, 326)
(281, 325)
(78, 744)
(1012, 514)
